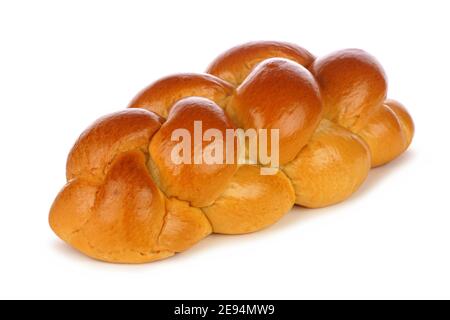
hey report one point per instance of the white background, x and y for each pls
(63, 64)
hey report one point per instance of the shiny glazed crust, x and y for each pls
(125, 201)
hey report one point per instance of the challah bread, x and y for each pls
(128, 201)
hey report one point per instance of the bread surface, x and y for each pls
(127, 201)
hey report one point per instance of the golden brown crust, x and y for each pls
(72, 208)
(384, 135)
(191, 182)
(128, 201)
(129, 209)
(353, 85)
(161, 95)
(235, 64)
(183, 227)
(121, 220)
(279, 94)
(107, 137)
(251, 202)
(111, 209)
(331, 167)
(405, 119)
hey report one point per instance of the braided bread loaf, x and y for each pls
(127, 202)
